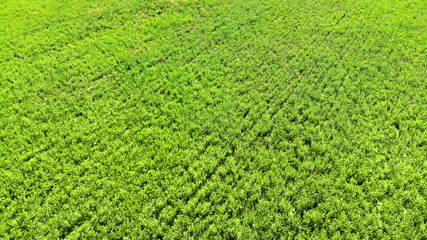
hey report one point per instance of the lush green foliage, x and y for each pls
(213, 119)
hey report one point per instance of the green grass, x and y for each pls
(212, 119)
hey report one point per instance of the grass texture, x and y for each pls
(213, 119)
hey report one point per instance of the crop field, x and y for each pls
(213, 119)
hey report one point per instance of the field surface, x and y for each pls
(213, 119)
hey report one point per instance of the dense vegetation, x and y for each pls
(233, 119)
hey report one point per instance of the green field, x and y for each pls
(213, 119)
